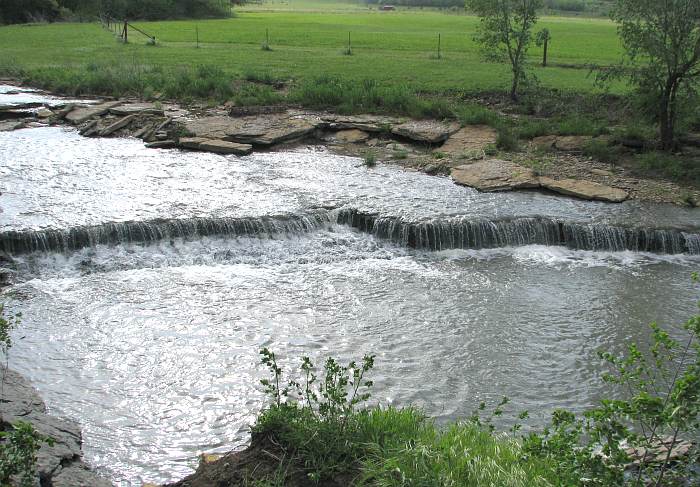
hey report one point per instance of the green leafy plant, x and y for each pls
(18, 448)
(370, 159)
(507, 140)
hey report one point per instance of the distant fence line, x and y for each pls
(121, 28)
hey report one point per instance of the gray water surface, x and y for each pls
(153, 348)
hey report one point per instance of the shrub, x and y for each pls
(370, 159)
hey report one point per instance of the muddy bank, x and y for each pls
(60, 465)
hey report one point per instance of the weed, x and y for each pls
(490, 150)
(507, 140)
(439, 155)
(602, 151)
(473, 114)
(370, 159)
(400, 154)
(539, 166)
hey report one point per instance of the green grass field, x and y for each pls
(390, 47)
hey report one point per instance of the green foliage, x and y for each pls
(669, 165)
(473, 114)
(18, 448)
(539, 166)
(22, 11)
(662, 59)
(505, 33)
(254, 94)
(602, 151)
(507, 140)
(7, 324)
(370, 159)
(317, 422)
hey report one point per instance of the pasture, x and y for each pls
(398, 48)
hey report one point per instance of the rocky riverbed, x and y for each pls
(432, 146)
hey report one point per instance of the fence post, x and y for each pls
(349, 45)
(439, 39)
(196, 29)
(126, 32)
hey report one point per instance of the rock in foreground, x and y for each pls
(59, 465)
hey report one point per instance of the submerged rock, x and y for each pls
(494, 175)
(59, 465)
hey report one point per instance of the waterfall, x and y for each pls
(451, 233)
(466, 233)
(75, 238)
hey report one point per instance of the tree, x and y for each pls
(662, 45)
(506, 32)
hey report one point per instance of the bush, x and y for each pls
(669, 165)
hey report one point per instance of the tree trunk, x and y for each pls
(667, 115)
(514, 86)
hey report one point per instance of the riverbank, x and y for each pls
(597, 167)
(60, 464)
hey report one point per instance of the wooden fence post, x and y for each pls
(126, 32)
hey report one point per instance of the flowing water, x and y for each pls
(149, 280)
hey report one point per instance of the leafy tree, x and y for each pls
(506, 33)
(662, 44)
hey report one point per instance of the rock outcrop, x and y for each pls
(82, 114)
(59, 465)
(496, 175)
(427, 131)
(583, 189)
(468, 140)
(366, 123)
(262, 130)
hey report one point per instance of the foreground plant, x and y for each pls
(18, 448)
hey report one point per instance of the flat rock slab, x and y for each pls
(135, 108)
(258, 130)
(216, 145)
(587, 190)
(162, 144)
(225, 147)
(351, 136)
(366, 123)
(494, 175)
(82, 114)
(566, 143)
(429, 131)
(469, 139)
